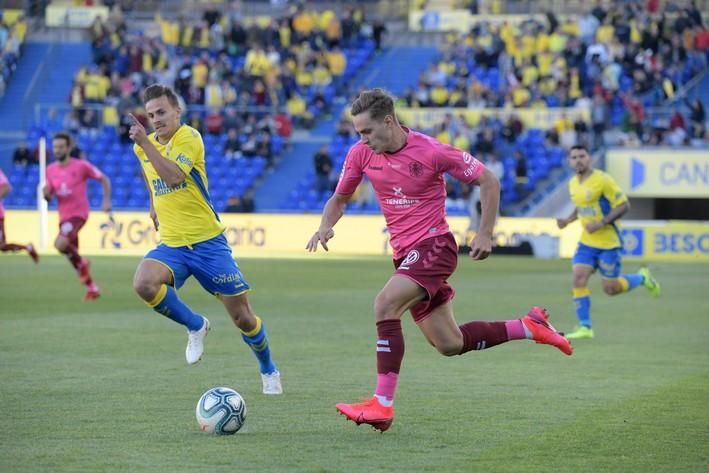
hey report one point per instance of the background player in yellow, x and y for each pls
(192, 239)
(599, 204)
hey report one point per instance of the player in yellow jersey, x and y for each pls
(599, 204)
(192, 240)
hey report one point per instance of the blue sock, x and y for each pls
(631, 281)
(582, 300)
(257, 340)
(168, 304)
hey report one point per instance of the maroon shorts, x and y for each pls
(429, 264)
(2, 231)
(69, 229)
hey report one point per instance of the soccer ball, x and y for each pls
(221, 411)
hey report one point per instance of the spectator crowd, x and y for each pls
(13, 29)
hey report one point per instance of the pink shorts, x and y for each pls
(70, 227)
(429, 264)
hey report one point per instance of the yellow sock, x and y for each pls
(255, 330)
(158, 297)
(624, 284)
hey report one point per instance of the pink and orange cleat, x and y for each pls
(368, 412)
(537, 322)
(33, 253)
(92, 292)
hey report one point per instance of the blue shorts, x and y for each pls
(606, 261)
(210, 262)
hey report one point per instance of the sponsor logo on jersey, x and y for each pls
(400, 200)
(228, 278)
(160, 187)
(181, 158)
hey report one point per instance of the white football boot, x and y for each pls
(272, 383)
(195, 343)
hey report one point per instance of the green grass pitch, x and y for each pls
(103, 386)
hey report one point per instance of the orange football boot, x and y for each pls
(92, 292)
(368, 412)
(33, 253)
(537, 322)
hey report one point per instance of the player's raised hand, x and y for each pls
(137, 131)
(480, 247)
(321, 236)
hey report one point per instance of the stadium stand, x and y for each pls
(609, 61)
(616, 62)
(13, 29)
(253, 78)
(514, 90)
(552, 63)
(527, 157)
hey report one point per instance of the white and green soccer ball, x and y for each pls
(221, 411)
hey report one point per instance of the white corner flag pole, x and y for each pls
(41, 202)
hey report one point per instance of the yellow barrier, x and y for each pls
(660, 173)
(286, 235)
(543, 118)
(132, 233)
(667, 241)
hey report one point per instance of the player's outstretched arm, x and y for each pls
(106, 186)
(481, 246)
(166, 169)
(333, 211)
(616, 213)
(563, 222)
(613, 215)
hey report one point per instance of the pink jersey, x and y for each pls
(68, 183)
(3, 182)
(410, 185)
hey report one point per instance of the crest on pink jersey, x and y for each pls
(415, 169)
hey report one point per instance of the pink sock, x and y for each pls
(515, 329)
(386, 385)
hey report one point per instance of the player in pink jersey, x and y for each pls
(66, 180)
(406, 170)
(5, 189)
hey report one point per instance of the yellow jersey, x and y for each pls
(594, 198)
(185, 212)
